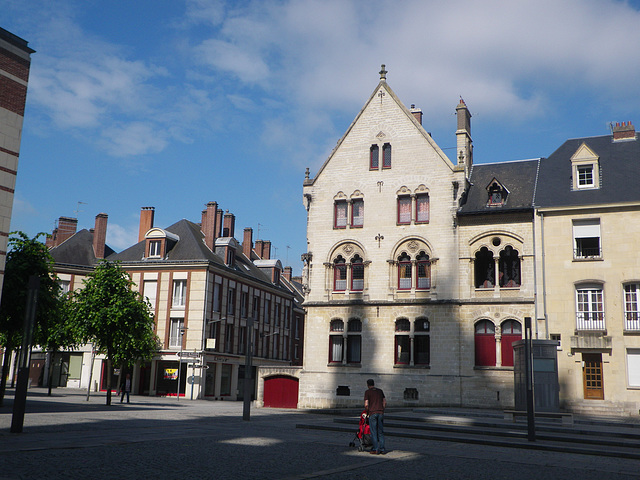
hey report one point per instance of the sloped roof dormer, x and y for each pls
(497, 193)
(585, 168)
(158, 243)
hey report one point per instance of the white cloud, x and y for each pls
(119, 237)
(134, 138)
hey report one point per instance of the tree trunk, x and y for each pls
(109, 371)
(6, 362)
(52, 358)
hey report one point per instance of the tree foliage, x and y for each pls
(52, 330)
(115, 318)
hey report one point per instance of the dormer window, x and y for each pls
(158, 243)
(585, 169)
(497, 194)
(155, 248)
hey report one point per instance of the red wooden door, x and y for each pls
(281, 392)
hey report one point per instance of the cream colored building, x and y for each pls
(395, 234)
(587, 223)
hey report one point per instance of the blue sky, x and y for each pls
(175, 103)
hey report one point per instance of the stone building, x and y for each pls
(396, 235)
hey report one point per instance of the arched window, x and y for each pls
(336, 341)
(485, 344)
(484, 269)
(509, 265)
(386, 155)
(403, 342)
(511, 332)
(339, 274)
(423, 272)
(357, 273)
(374, 153)
(354, 340)
(404, 272)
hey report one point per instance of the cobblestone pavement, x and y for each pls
(66, 437)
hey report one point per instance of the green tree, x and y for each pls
(26, 257)
(115, 318)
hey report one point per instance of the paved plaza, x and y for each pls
(66, 437)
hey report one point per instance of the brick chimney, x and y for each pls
(229, 225)
(417, 113)
(146, 221)
(66, 228)
(624, 131)
(100, 235)
(209, 225)
(258, 248)
(266, 250)
(247, 242)
(219, 214)
(287, 273)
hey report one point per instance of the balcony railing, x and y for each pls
(632, 321)
(587, 252)
(590, 321)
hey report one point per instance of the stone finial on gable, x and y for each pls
(383, 72)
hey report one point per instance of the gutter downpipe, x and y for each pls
(544, 277)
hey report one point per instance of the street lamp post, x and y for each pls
(246, 401)
(182, 330)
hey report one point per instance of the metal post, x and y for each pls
(182, 329)
(93, 358)
(20, 399)
(528, 362)
(246, 406)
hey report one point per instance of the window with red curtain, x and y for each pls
(404, 210)
(422, 208)
(511, 332)
(485, 344)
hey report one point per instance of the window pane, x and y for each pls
(585, 176)
(589, 309)
(179, 293)
(424, 273)
(403, 325)
(335, 348)
(422, 207)
(403, 349)
(354, 343)
(341, 214)
(631, 311)
(509, 265)
(386, 155)
(404, 275)
(422, 343)
(357, 212)
(357, 277)
(404, 209)
(340, 277)
(374, 162)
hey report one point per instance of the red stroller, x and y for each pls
(363, 434)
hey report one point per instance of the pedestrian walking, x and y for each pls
(125, 387)
(374, 404)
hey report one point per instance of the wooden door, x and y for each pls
(592, 376)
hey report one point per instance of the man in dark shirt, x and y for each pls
(374, 404)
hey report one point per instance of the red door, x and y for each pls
(281, 392)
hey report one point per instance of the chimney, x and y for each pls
(247, 242)
(229, 225)
(100, 235)
(209, 223)
(219, 214)
(624, 132)
(417, 113)
(67, 227)
(146, 221)
(287, 273)
(266, 249)
(258, 248)
(464, 152)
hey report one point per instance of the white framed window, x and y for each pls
(155, 248)
(585, 176)
(150, 291)
(176, 330)
(632, 307)
(586, 239)
(589, 308)
(179, 298)
(633, 367)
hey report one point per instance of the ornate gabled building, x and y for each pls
(396, 233)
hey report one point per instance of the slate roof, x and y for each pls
(190, 248)
(619, 173)
(518, 178)
(78, 250)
